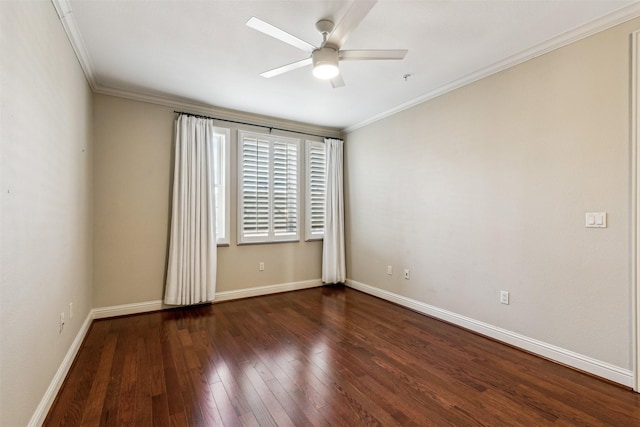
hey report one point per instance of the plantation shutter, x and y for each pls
(285, 189)
(269, 190)
(316, 189)
(255, 188)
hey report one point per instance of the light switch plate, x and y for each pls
(504, 297)
(596, 220)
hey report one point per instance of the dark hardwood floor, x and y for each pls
(318, 357)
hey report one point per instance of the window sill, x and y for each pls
(268, 243)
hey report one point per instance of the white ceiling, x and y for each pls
(201, 52)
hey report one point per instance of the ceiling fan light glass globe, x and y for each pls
(325, 71)
(325, 63)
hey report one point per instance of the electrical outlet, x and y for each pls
(70, 310)
(389, 270)
(406, 274)
(61, 321)
(504, 297)
(261, 266)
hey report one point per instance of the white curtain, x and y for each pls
(191, 272)
(333, 258)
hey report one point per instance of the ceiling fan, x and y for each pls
(326, 57)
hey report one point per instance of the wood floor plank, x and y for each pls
(301, 411)
(208, 406)
(160, 410)
(143, 415)
(228, 415)
(272, 404)
(131, 379)
(288, 392)
(329, 356)
(97, 394)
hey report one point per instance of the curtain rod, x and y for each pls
(249, 124)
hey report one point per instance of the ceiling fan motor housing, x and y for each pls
(325, 62)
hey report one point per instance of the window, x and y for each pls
(268, 190)
(221, 171)
(316, 189)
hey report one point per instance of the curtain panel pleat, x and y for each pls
(192, 264)
(333, 248)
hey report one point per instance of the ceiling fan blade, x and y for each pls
(279, 34)
(337, 81)
(286, 68)
(356, 13)
(363, 55)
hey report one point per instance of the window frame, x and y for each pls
(310, 235)
(225, 148)
(271, 235)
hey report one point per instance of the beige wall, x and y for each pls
(486, 188)
(133, 158)
(45, 203)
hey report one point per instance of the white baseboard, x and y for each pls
(558, 354)
(124, 309)
(266, 290)
(37, 419)
(146, 306)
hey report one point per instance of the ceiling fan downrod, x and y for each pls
(325, 27)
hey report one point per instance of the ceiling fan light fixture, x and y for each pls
(325, 63)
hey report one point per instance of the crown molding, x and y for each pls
(221, 113)
(63, 8)
(617, 17)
